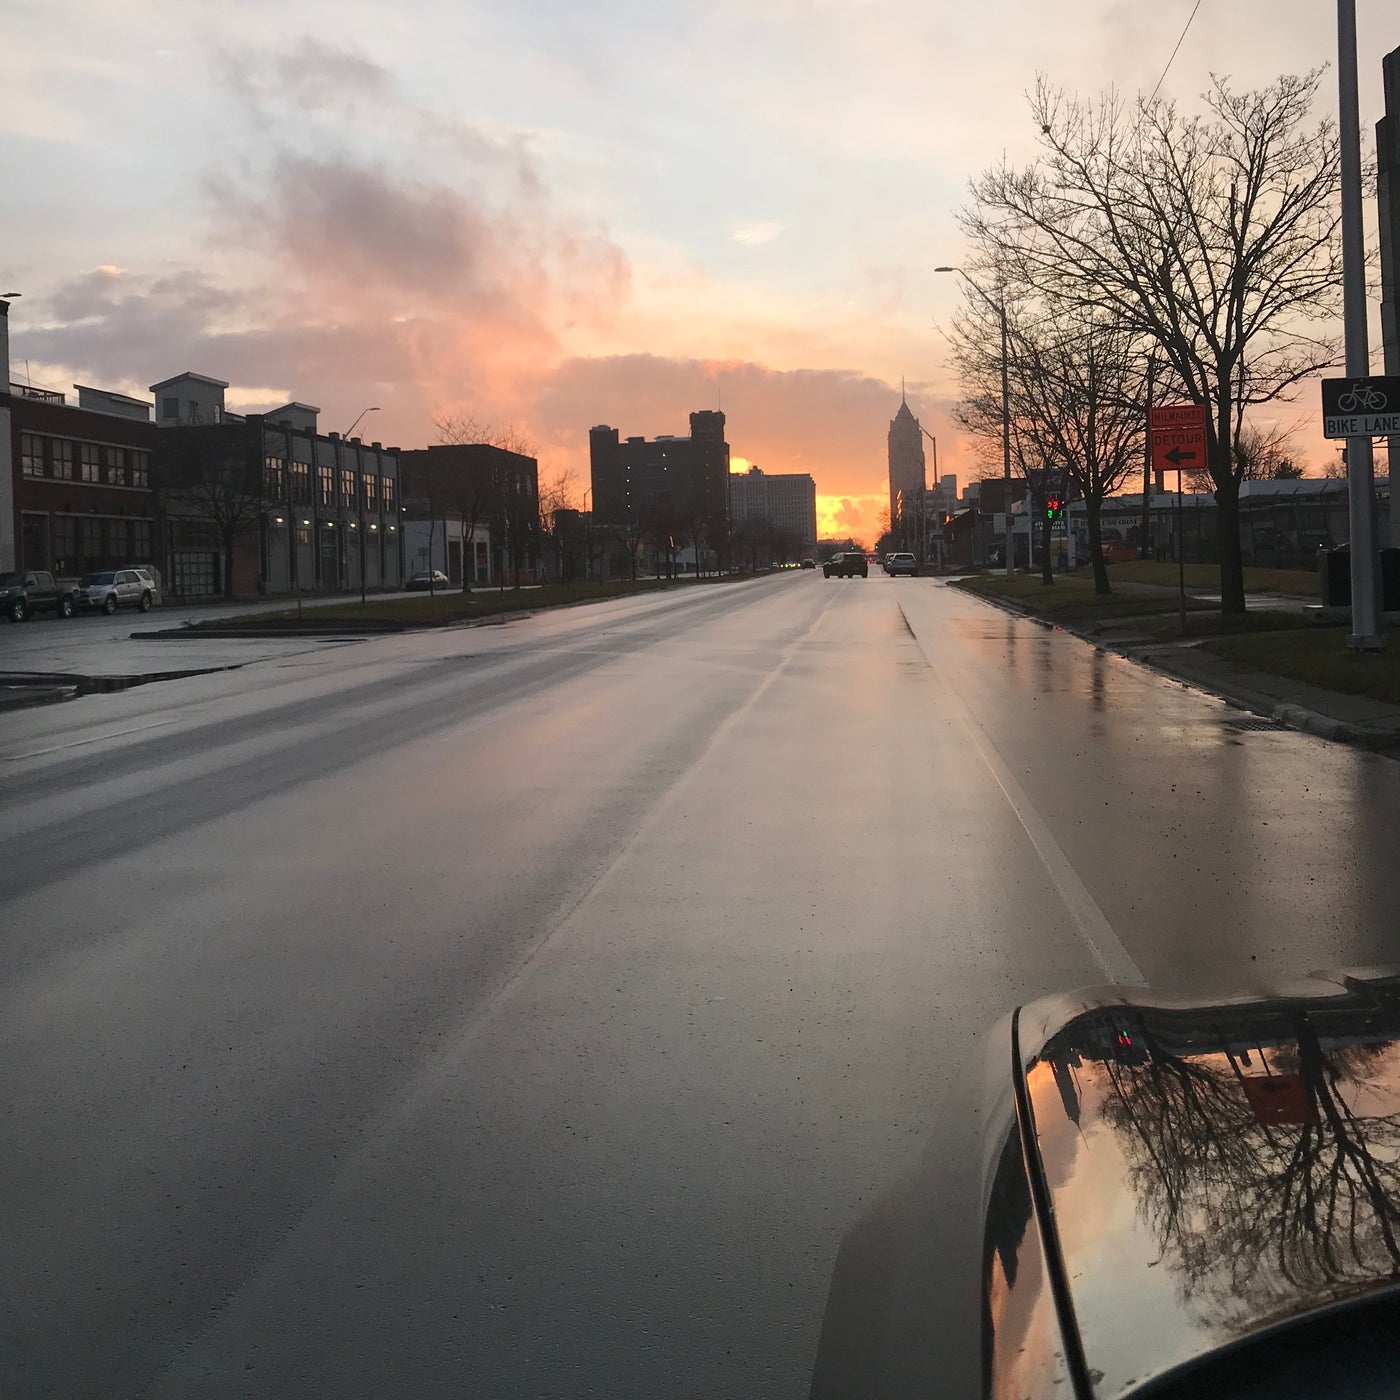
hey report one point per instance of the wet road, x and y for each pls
(529, 1010)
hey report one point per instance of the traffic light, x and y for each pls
(1054, 507)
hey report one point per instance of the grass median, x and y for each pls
(1318, 656)
(446, 607)
(1296, 583)
(1071, 598)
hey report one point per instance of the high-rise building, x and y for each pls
(786, 500)
(692, 473)
(906, 452)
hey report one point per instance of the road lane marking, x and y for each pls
(78, 743)
(1094, 928)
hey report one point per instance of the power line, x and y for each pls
(1170, 61)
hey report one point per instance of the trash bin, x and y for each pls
(1334, 565)
(1390, 580)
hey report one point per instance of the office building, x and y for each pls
(785, 500)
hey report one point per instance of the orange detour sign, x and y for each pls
(1178, 436)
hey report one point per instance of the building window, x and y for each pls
(371, 495)
(170, 408)
(65, 543)
(325, 479)
(140, 468)
(303, 534)
(141, 540)
(386, 490)
(301, 483)
(89, 461)
(31, 454)
(89, 545)
(274, 478)
(62, 459)
(347, 487)
(118, 546)
(116, 466)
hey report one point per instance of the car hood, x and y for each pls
(1215, 1170)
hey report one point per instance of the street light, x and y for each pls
(356, 423)
(1000, 308)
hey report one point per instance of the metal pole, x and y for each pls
(1006, 437)
(1180, 549)
(1145, 543)
(1365, 604)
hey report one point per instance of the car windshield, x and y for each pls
(94, 580)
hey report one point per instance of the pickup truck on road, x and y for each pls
(25, 591)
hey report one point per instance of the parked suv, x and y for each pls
(115, 588)
(898, 564)
(26, 591)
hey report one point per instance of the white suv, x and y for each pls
(901, 564)
(114, 588)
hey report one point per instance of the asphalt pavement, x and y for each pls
(529, 1010)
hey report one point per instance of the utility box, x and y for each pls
(1334, 568)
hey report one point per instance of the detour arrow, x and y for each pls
(1176, 456)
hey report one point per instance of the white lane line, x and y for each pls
(78, 743)
(1094, 928)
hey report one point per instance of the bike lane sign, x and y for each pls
(1361, 407)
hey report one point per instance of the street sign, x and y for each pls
(1178, 436)
(1361, 407)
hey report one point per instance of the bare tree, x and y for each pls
(207, 474)
(1260, 455)
(558, 496)
(470, 489)
(1217, 237)
(1079, 379)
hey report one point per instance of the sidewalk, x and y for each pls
(1349, 719)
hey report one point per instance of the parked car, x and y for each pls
(901, 563)
(1177, 1197)
(24, 592)
(111, 589)
(808, 562)
(425, 580)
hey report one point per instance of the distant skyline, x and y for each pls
(556, 215)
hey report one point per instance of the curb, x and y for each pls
(67, 685)
(1287, 713)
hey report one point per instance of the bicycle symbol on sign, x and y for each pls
(1361, 398)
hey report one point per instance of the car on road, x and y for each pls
(110, 589)
(425, 580)
(1178, 1196)
(808, 562)
(24, 592)
(847, 565)
(896, 564)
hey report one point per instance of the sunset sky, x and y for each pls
(558, 214)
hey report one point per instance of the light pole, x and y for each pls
(346, 434)
(1000, 308)
(1365, 605)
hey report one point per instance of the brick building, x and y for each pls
(75, 479)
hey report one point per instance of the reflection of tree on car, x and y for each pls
(1255, 1169)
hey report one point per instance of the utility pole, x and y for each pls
(1388, 192)
(1365, 600)
(1145, 542)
